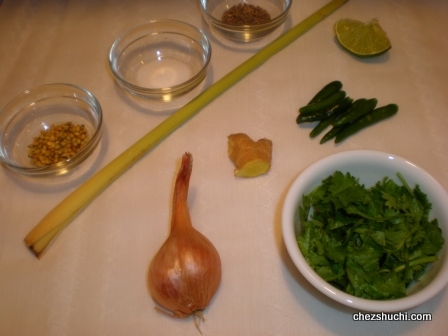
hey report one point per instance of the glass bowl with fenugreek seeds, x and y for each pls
(49, 130)
(245, 20)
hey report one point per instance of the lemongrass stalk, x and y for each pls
(57, 219)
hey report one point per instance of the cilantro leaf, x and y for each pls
(371, 243)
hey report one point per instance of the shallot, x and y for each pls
(185, 273)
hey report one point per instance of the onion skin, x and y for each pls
(185, 273)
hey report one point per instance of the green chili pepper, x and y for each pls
(355, 105)
(324, 104)
(357, 112)
(338, 110)
(335, 130)
(369, 119)
(326, 92)
(321, 115)
(303, 118)
(312, 117)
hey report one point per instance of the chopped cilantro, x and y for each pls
(371, 243)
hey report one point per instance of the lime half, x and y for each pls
(362, 39)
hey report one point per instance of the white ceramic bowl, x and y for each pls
(370, 167)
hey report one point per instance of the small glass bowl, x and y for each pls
(160, 60)
(213, 10)
(36, 110)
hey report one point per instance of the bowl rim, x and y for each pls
(244, 28)
(207, 51)
(288, 212)
(65, 164)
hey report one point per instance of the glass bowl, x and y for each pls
(160, 60)
(369, 167)
(213, 11)
(34, 112)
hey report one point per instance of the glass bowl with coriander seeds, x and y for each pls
(245, 20)
(49, 130)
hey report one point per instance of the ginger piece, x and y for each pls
(251, 158)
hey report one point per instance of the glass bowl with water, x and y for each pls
(160, 60)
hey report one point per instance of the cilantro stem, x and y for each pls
(405, 183)
(423, 260)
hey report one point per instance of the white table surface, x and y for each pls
(92, 280)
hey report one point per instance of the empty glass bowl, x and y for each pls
(34, 112)
(160, 60)
(213, 11)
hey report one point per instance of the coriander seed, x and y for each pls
(245, 14)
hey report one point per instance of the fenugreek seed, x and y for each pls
(58, 143)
